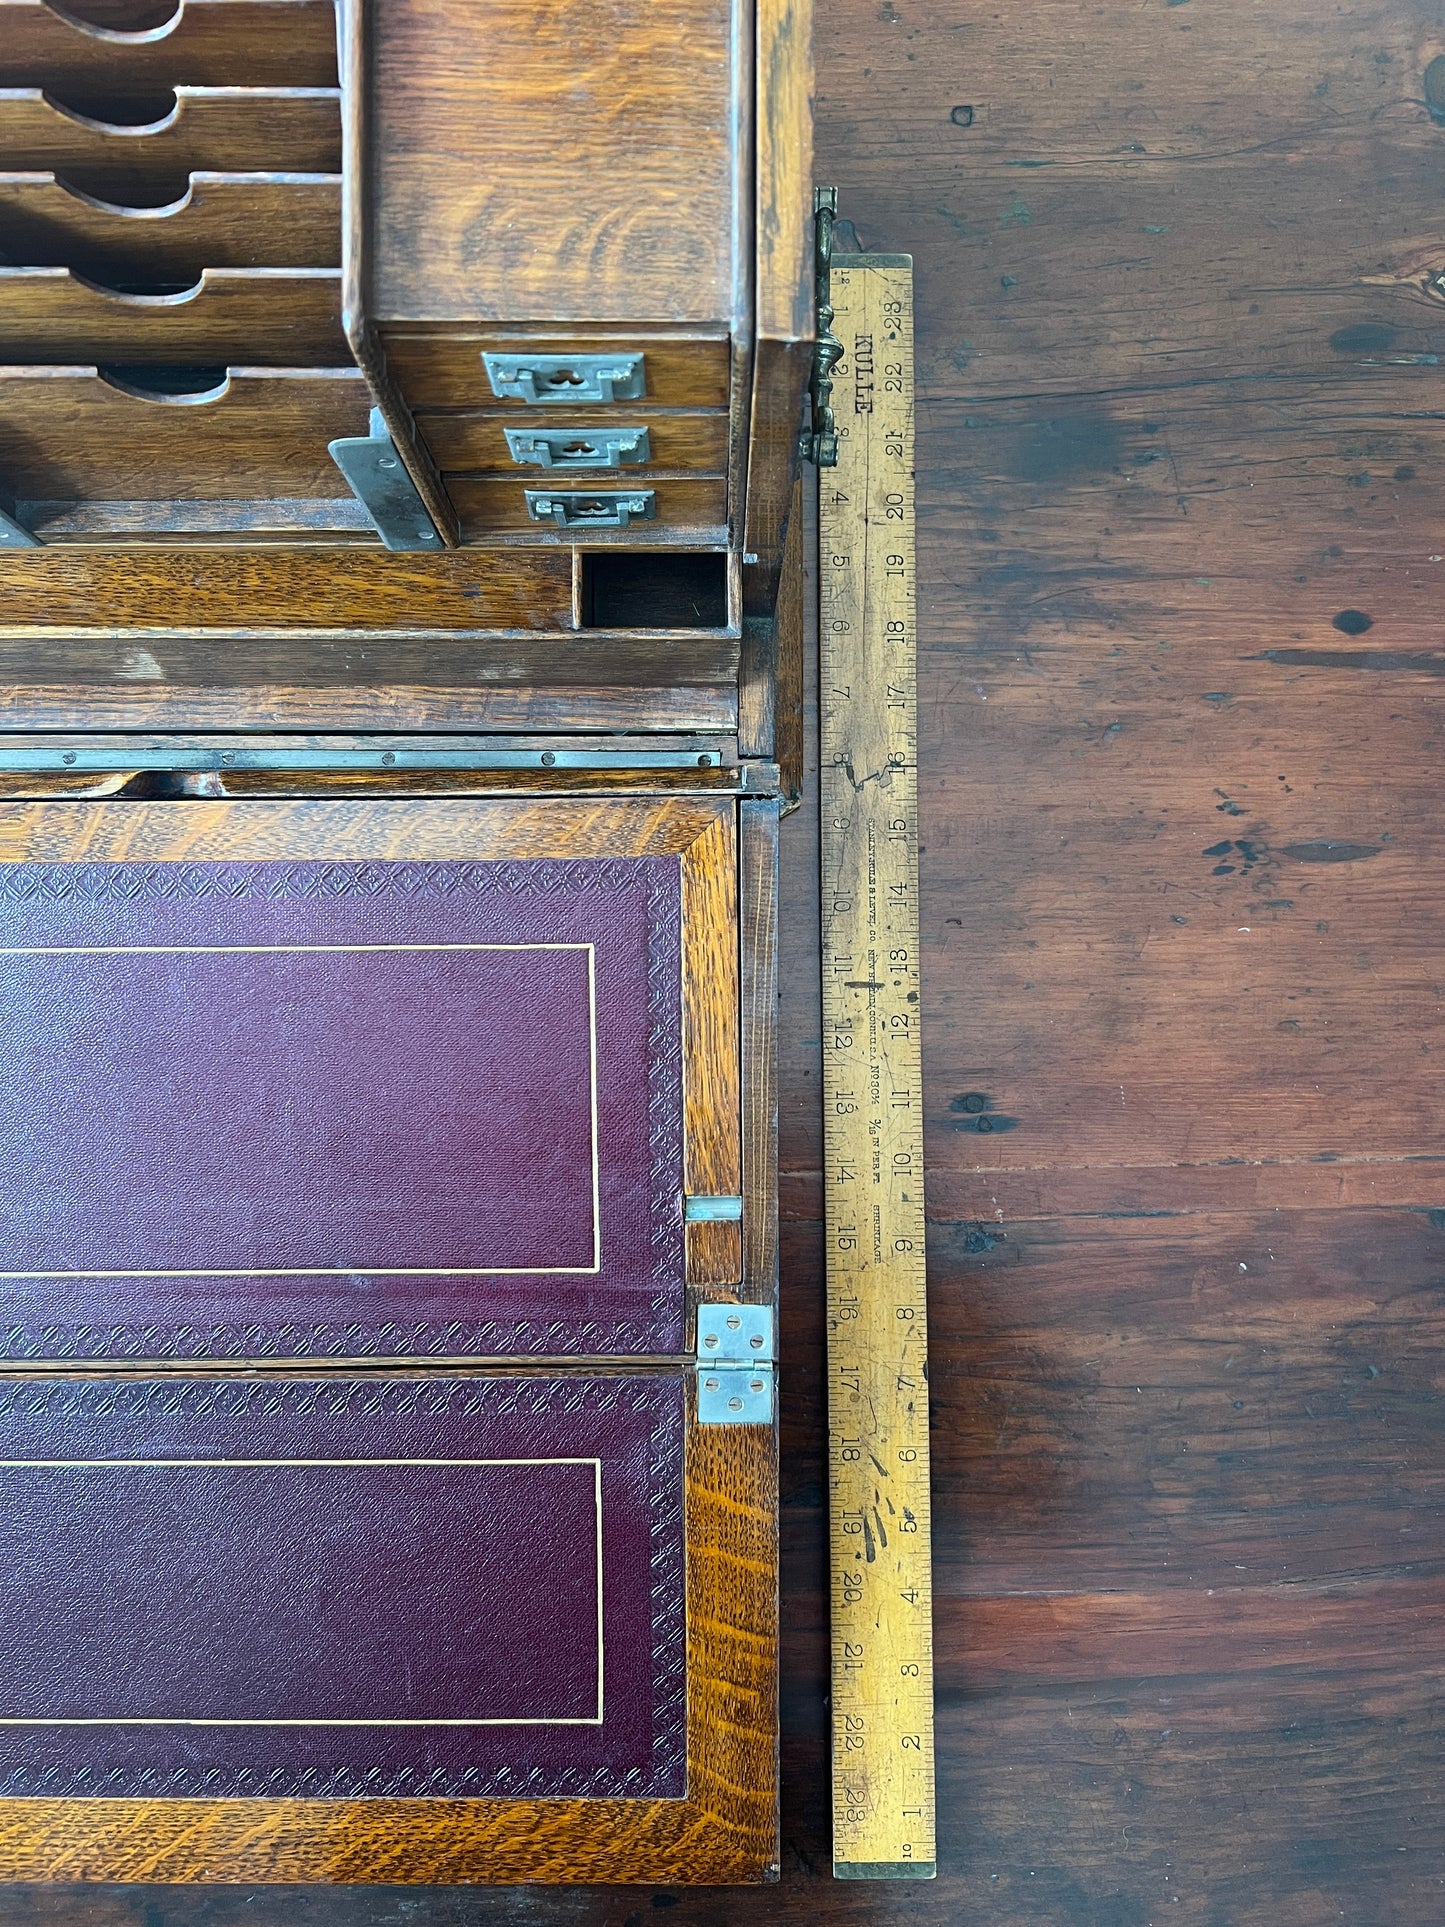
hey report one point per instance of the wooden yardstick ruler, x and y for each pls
(881, 1581)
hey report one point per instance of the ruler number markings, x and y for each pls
(873, 1148)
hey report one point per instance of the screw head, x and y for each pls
(548, 759)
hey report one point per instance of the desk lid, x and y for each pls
(341, 1108)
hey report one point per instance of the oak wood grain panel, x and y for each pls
(225, 129)
(794, 621)
(679, 444)
(64, 600)
(60, 783)
(217, 221)
(70, 434)
(683, 507)
(270, 316)
(518, 782)
(759, 912)
(780, 382)
(784, 176)
(173, 680)
(215, 522)
(711, 1038)
(204, 43)
(442, 368)
(575, 162)
(725, 1830)
(784, 290)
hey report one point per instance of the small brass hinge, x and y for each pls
(819, 442)
(735, 1345)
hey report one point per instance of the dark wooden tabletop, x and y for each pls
(1182, 539)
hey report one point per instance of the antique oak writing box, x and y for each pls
(400, 629)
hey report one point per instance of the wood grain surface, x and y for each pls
(724, 1830)
(204, 43)
(216, 220)
(227, 129)
(1189, 1515)
(71, 434)
(578, 163)
(784, 290)
(276, 317)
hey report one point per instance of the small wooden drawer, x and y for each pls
(444, 369)
(231, 315)
(229, 129)
(218, 220)
(567, 447)
(205, 43)
(487, 508)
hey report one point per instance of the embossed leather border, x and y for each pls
(320, 879)
(201, 1399)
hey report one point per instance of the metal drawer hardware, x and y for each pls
(819, 442)
(735, 1346)
(610, 511)
(566, 378)
(380, 483)
(579, 447)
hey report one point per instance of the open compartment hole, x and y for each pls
(653, 589)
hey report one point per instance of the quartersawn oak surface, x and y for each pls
(1187, 1333)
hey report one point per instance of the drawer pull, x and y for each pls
(611, 511)
(566, 378)
(579, 447)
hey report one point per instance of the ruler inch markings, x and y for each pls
(879, 1514)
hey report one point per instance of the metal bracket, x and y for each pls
(379, 481)
(735, 1345)
(819, 442)
(566, 378)
(579, 447)
(609, 511)
(14, 535)
(191, 754)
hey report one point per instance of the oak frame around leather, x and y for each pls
(700, 830)
(724, 1831)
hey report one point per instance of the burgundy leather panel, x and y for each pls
(342, 1588)
(340, 1109)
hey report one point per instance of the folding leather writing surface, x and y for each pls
(345, 1109)
(346, 1587)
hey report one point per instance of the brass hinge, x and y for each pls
(735, 1345)
(819, 443)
